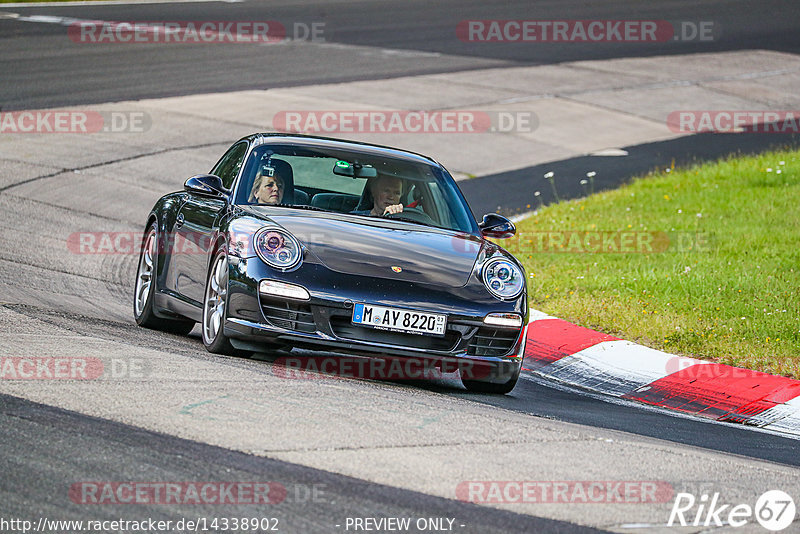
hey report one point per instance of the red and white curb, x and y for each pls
(599, 362)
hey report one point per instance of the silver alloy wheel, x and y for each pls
(144, 277)
(216, 292)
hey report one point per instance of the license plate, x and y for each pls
(399, 320)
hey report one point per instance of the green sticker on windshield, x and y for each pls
(342, 164)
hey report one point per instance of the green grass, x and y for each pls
(725, 286)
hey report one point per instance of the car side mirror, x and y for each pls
(497, 226)
(206, 185)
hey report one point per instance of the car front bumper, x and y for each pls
(324, 322)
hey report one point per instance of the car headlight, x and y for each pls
(278, 248)
(502, 278)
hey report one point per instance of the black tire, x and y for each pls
(212, 330)
(144, 290)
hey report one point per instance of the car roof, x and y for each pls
(313, 141)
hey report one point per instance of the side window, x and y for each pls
(438, 206)
(228, 167)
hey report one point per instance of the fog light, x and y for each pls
(503, 319)
(282, 289)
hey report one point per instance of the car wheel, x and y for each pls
(214, 305)
(145, 289)
(482, 386)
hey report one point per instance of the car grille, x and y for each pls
(288, 315)
(343, 327)
(492, 342)
(481, 341)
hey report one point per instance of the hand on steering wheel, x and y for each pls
(413, 215)
(393, 209)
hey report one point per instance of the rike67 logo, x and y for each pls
(774, 510)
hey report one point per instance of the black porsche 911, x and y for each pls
(339, 246)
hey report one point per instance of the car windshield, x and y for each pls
(354, 183)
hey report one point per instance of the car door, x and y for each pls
(194, 227)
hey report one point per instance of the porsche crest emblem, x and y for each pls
(397, 269)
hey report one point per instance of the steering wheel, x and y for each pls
(412, 214)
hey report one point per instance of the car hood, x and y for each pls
(379, 248)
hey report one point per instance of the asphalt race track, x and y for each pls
(342, 449)
(167, 458)
(363, 40)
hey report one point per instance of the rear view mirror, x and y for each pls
(354, 170)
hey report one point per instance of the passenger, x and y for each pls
(385, 192)
(268, 189)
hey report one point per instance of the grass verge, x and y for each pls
(702, 261)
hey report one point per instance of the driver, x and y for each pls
(268, 189)
(386, 192)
